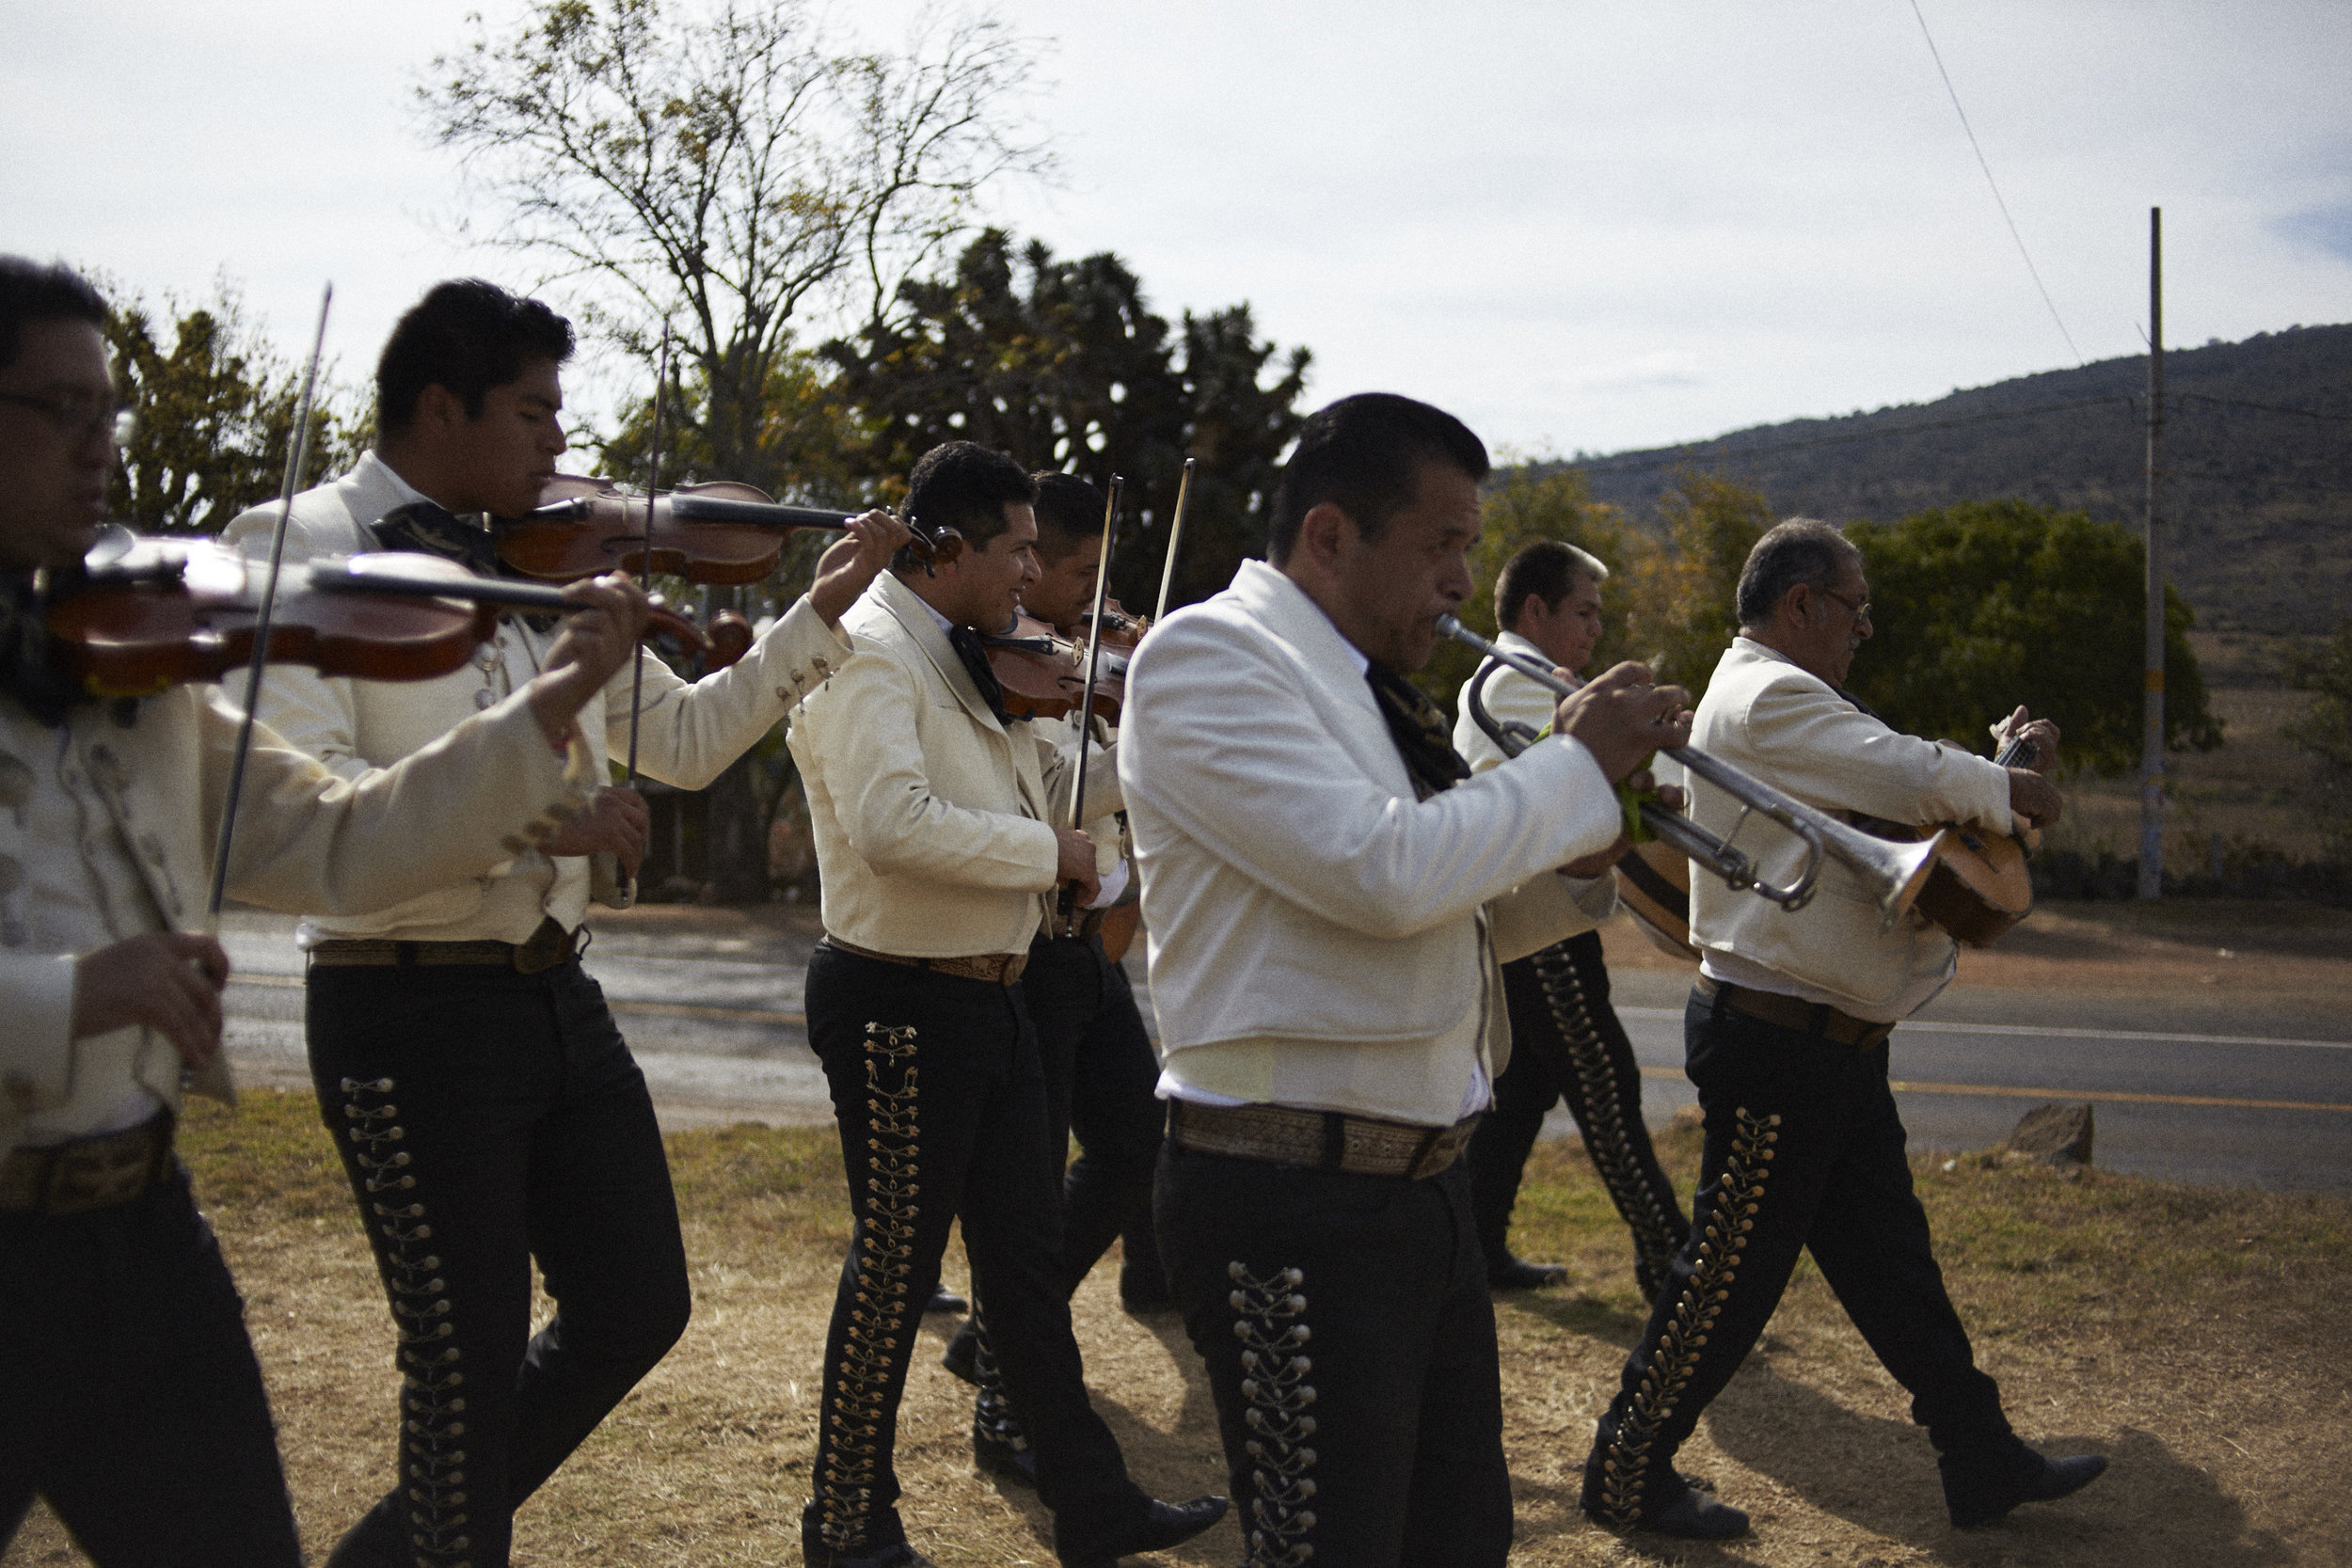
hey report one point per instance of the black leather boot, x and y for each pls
(1979, 1489)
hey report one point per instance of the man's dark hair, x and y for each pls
(963, 485)
(466, 334)
(1548, 569)
(1364, 454)
(1800, 550)
(31, 291)
(1069, 513)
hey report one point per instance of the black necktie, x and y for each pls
(26, 670)
(975, 655)
(1418, 726)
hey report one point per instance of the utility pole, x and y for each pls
(2151, 733)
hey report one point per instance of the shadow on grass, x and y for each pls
(1587, 1316)
(2151, 1510)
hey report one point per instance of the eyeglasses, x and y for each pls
(79, 417)
(1861, 612)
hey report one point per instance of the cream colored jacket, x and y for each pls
(1509, 695)
(1315, 932)
(934, 822)
(688, 733)
(108, 834)
(1765, 716)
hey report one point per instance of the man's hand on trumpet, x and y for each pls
(1622, 718)
(1623, 715)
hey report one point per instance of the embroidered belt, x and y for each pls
(83, 1174)
(550, 945)
(1320, 1140)
(1796, 1015)
(1000, 969)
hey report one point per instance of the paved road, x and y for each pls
(2199, 1095)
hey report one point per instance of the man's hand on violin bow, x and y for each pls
(1622, 716)
(615, 819)
(855, 561)
(1075, 866)
(597, 638)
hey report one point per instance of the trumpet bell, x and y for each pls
(1898, 871)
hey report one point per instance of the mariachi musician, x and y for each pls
(1328, 890)
(1566, 1042)
(455, 1034)
(941, 841)
(133, 1401)
(1100, 1067)
(1787, 1036)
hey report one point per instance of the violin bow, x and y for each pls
(297, 463)
(645, 574)
(1175, 537)
(1067, 912)
(213, 1078)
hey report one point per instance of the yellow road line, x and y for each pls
(2008, 1091)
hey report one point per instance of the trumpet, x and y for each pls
(1898, 871)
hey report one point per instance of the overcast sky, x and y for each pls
(1579, 226)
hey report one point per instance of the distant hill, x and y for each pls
(2257, 504)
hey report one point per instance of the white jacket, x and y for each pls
(1314, 930)
(1766, 716)
(688, 733)
(935, 823)
(111, 836)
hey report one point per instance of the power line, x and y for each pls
(2261, 407)
(1938, 56)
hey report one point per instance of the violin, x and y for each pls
(1043, 671)
(140, 615)
(1038, 670)
(724, 532)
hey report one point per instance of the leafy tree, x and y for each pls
(1683, 609)
(213, 409)
(2326, 730)
(1985, 605)
(1527, 505)
(1062, 364)
(727, 168)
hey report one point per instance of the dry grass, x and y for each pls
(2195, 1336)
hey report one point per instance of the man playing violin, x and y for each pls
(942, 840)
(1328, 891)
(133, 1402)
(1099, 1064)
(1787, 1034)
(455, 1035)
(1566, 1042)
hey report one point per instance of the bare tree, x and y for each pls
(728, 169)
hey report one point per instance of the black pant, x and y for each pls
(1350, 1345)
(487, 1119)
(129, 1395)
(940, 1101)
(1567, 1044)
(1101, 1078)
(1805, 1151)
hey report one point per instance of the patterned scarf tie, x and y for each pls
(427, 527)
(974, 652)
(1418, 726)
(423, 527)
